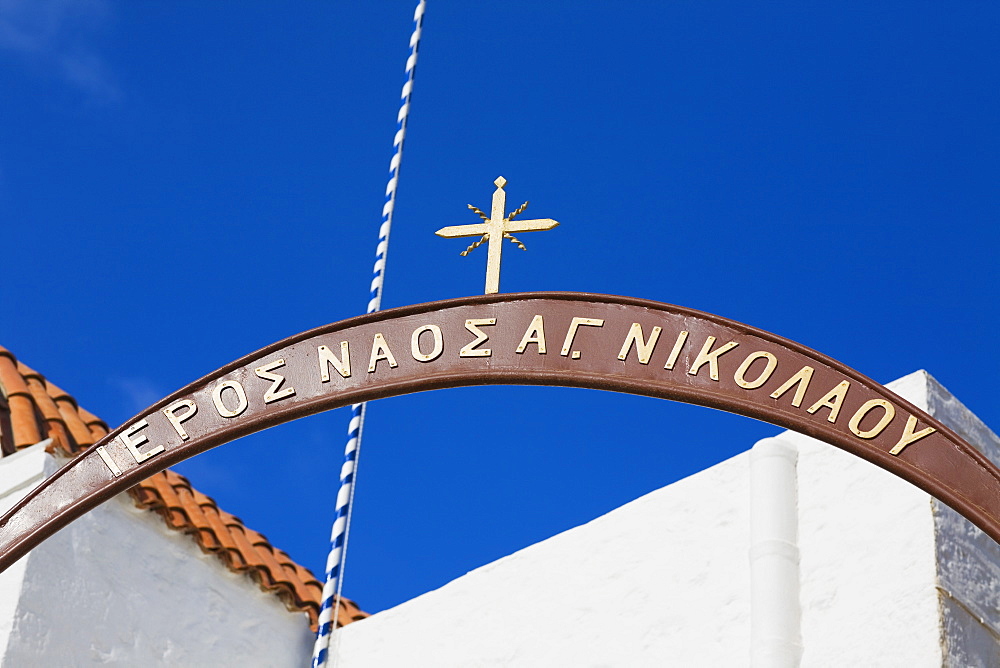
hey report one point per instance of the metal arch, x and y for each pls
(603, 342)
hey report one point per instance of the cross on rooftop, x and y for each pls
(494, 229)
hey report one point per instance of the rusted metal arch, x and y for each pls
(746, 382)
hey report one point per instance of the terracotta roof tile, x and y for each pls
(24, 421)
(77, 428)
(37, 410)
(199, 523)
(164, 500)
(228, 550)
(98, 427)
(276, 573)
(252, 559)
(69, 412)
(56, 429)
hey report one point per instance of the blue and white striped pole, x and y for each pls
(345, 496)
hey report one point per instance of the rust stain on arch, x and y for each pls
(602, 342)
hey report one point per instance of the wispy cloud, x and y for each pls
(139, 392)
(57, 37)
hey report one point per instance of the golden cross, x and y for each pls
(494, 229)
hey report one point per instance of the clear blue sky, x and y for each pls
(183, 183)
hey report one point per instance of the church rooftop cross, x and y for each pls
(494, 229)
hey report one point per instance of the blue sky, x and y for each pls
(184, 183)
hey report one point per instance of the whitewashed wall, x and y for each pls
(117, 587)
(888, 577)
(640, 586)
(867, 569)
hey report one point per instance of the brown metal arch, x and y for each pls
(742, 380)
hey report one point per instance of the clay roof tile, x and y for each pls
(200, 527)
(229, 551)
(11, 379)
(56, 427)
(71, 418)
(69, 411)
(249, 553)
(98, 427)
(24, 421)
(275, 572)
(170, 506)
(57, 393)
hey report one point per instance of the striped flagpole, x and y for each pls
(345, 496)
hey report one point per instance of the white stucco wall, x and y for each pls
(117, 587)
(867, 559)
(889, 577)
(640, 586)
(18, 474)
